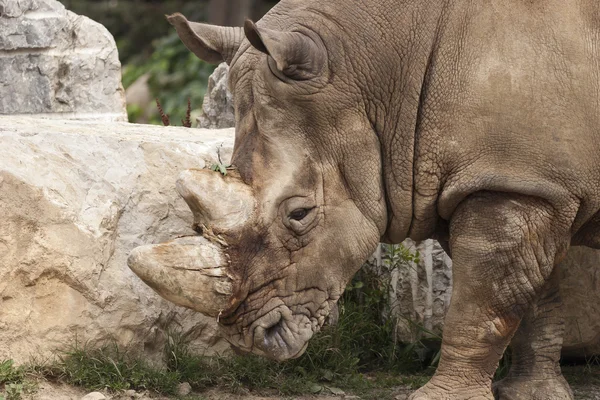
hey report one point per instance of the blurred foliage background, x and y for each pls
(155, 62)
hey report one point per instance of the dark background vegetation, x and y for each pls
(148, 46)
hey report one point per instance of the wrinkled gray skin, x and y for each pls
(474, 122)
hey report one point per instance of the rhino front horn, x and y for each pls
(189, 271)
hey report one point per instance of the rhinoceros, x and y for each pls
(473, 122)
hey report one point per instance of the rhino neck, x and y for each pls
(389, 47)
(403, 61)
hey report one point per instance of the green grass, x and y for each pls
(335, 361)
(10, 374)
(111, 368)
(588, 374)
(358, 354)
(15, 381)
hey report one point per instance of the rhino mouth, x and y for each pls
(280, 334)
(282, 337)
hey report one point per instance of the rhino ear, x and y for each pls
(292, 54)
(211, 43)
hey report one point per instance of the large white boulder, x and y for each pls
(75, 199)
(57, 64)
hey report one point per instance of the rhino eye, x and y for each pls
(299, 214)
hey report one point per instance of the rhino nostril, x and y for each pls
(269, 332)
(274, 335)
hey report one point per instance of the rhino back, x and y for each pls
(511, 104)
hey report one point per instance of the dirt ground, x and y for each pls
(51, 391)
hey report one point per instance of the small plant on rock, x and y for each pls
(220, 166)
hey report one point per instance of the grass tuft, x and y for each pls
(15, 381)
(111, 368)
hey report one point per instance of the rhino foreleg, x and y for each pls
(535, 369)
(504, 249)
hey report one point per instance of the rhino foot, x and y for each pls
(522, 388)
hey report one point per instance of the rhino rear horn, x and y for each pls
(213, 44)
(220, 203)
(294, 55)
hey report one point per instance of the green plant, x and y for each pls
(220, 166)
(398, 255)
(15, 382)
(16, 391)
(175, 75)
(10, 374)
(110, 367)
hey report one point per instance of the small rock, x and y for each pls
(132, 394)
(184, 389)
(94, 396)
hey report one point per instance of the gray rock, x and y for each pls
(420, 296)
(421, 292)
(217, 109)
(55, 63)
(75, 198)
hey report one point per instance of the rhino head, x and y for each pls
(303, 205)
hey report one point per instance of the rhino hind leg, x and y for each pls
(504, 248)
(535, 371)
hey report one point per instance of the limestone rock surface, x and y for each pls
(54, 63)
(75, 198)
(420, 292)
